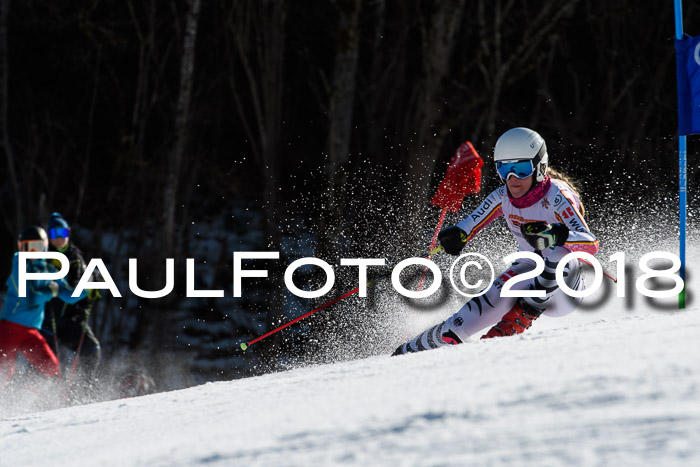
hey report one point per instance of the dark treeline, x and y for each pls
(143, 116)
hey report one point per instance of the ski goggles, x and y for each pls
(32, 245)
(59, 232)
(519, 169)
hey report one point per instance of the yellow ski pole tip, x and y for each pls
(244, 346)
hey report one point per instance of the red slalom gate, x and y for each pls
(463, 177)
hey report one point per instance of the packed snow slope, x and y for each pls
(610, 386)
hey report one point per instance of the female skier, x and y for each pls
(544, 213)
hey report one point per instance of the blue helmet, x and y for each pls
(57, 220)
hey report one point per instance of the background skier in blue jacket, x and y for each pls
(21, 317)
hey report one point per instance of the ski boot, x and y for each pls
(516, 321)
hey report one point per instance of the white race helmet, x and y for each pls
(520, 144)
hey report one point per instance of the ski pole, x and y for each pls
(77, 357)
(609, 276)
(245, 345)
(432, 246)
(55, 333)
(435, 250)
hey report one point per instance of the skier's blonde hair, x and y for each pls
(558, 174)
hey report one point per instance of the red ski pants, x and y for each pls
(15, 337)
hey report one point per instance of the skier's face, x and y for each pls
(59, 242)
(519, 186)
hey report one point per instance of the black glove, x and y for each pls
(542, 235)
(452, 239)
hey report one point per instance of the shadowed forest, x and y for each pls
(142, 119)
